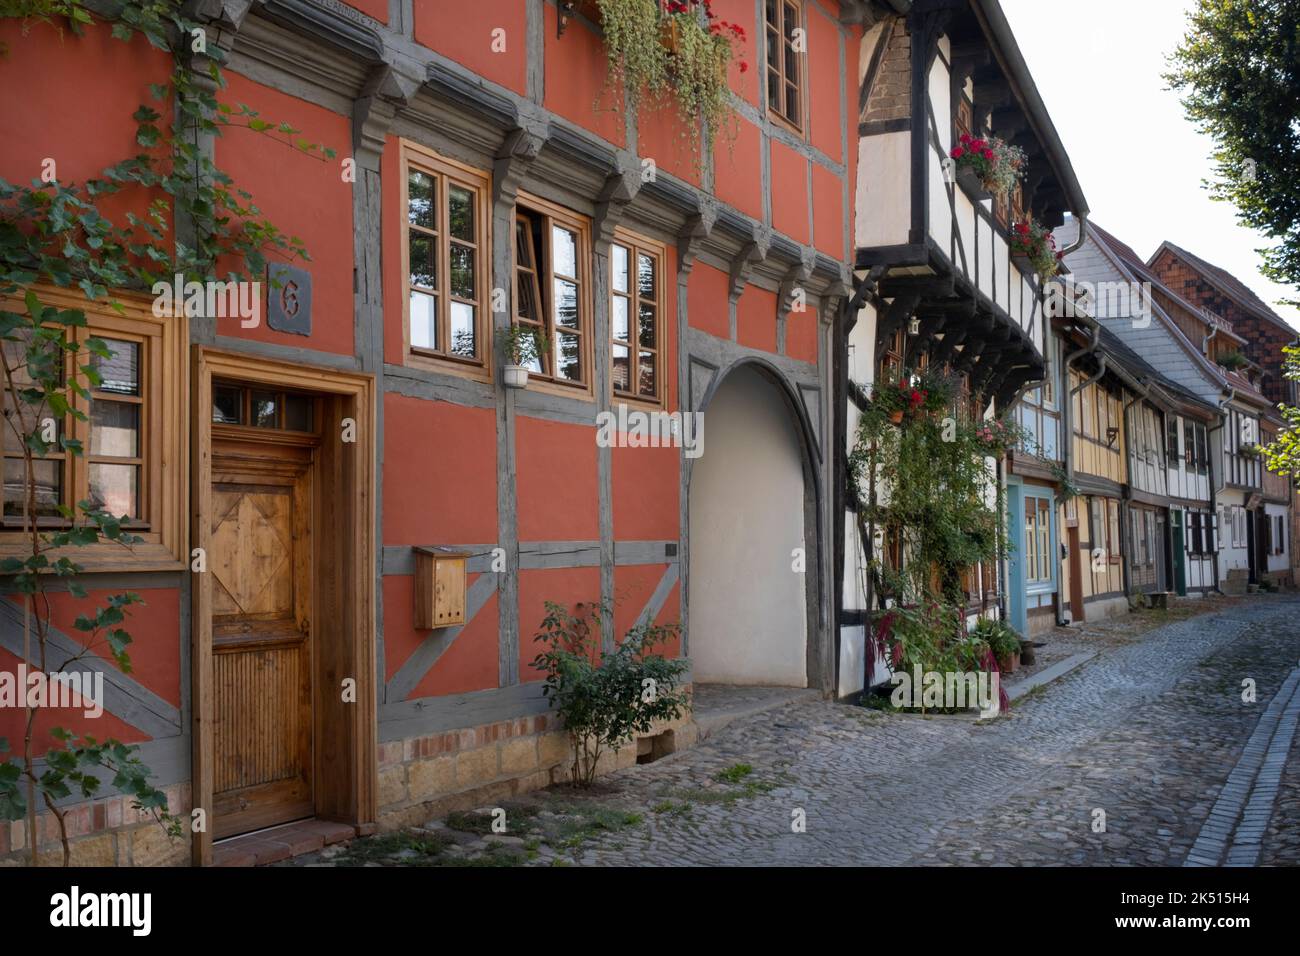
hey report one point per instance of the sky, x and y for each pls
(1140, 161)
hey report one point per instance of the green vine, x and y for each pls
(54, 233)
(930, 487)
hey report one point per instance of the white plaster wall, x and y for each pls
(748, 622)
(883, 197)
(1230, 558)
(1280, 562)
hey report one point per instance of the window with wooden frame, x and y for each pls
(134, 437)
(891, 362)
(265, 408)
(1112, 539)
(636, 317)
(785, 60)
(1017, 203)
(963, 122)
(552, 255)
(446, 260)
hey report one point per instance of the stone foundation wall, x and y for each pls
(419, 777)
(102, 833)
(422, 777)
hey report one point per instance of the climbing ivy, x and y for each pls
(56, 233)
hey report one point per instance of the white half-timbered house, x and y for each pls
(936, 284)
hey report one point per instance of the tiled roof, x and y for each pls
(1142, 272)
(1229, 283)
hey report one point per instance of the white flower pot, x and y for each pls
(515, 376)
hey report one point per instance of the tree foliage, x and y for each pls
(1239, 72)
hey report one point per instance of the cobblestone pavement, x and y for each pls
(1146, 733)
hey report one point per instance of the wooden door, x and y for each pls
(260, 559)
(1074, 548)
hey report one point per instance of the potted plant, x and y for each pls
(523, 347)
(987, 167)
(1003, 641)
(1033, 249)
(1232, 361)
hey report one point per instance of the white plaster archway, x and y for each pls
(748, 606)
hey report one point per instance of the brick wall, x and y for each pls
(1264, 339)
(891, 94)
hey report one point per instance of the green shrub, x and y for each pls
(605, 697)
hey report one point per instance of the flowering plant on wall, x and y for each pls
(637, 60)
(701, 46)
(996, 163)
(998, 436)
(680, 47)
(1033, 241)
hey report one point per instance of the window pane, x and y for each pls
(297, 413)
(621, 329)
(647, 363)
(115, 429)
(423, 329)
(622, 368)
(423, 270)
(774, 90)
(420, 210)
(461, 212)
(770, 11)
(48, 477)
(645, 277)
(464, 336)
(462, 271)
(791, 62)
(115, 489)
(120, 372)
(227, 404)
(618, 266)
(646, 316)
(526, 300)
(792, 103)
(266, 410)
(568, 357)
(34, 419)
(564, 251)
(566, 303)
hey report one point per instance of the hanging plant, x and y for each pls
(638, 62)
(700, 48)
(1034, 242)
(994, 162)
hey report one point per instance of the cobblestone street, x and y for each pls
(1148, 732)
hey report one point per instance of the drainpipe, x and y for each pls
(1125, 516)
(1207, 339)
(1079, 240)
(1067, 413)
(1067, 419)
(1214, 494)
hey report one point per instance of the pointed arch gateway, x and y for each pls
(754, 560)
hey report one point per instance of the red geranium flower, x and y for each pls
(958, 152)
(744, 67)
(989, 154)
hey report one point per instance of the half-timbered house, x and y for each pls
(937, 285)
(412, 559)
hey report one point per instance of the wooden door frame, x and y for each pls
(346, 787)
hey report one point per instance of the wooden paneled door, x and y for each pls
(261, 562)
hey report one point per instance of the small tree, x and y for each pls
(43, 367)
(605, 698)
(1282, 456)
